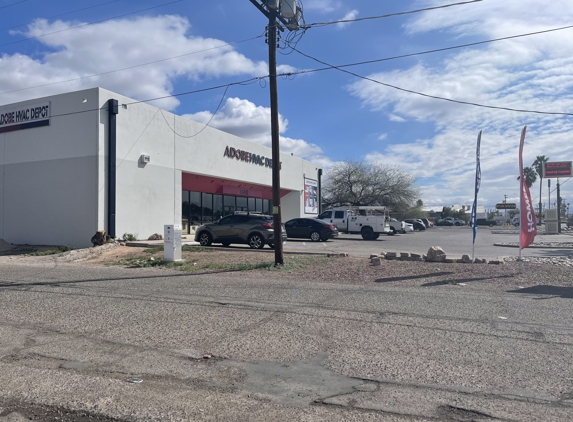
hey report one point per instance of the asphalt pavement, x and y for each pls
(456, 241)
(142, 344)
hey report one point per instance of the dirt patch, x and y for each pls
(310, 268)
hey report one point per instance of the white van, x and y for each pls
(515, 221)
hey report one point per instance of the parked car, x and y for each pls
(418, 224)
(427, 222)
(444, 222)
(456, 221)
(310, 228)
(485, 222)
(256, 230)
(408, 228)
(396, 226)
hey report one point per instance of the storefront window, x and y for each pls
(228, 205)
(242, 204)
(195, 208)
(207, 207)
(185, 212)
(199, 208)
(266, 205)
(217, 207)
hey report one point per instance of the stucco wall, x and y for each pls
(49, 175)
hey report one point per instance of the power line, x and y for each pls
(206, 124)
(13, 4)
(437, 50)
(90, 23)
(62, 14)
(321, 24)
(436, 97)
(132, 67)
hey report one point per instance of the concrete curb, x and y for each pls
(502, 245)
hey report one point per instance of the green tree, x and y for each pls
(530, 176)
(538, 165)
(359, 183)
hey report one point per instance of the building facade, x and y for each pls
(76, 163)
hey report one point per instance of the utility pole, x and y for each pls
(505, 209)
(271, 9)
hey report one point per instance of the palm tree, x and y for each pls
(538, 164)
(530, 176)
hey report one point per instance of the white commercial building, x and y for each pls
(59, 184)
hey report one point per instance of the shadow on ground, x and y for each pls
(552, 291)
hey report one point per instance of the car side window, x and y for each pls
(326, 214)
(228, 220)
(338, 214)
(290, 224)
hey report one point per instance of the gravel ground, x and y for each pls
(558, 271)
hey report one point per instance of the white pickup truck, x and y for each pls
(369, 226)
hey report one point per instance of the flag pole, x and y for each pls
(473, 218)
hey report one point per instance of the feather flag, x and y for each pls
(527, 220)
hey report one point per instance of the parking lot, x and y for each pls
(456, 241)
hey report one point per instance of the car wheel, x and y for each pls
(367, 233)
(491, 225)
(392, 232)
(205, 239)
(256, 241)
(271, 245)
(226, 244)
(315, 236)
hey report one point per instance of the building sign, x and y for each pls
(310, 196)
(557, 169)
(505, 206)
(25, 117)
(248, 157)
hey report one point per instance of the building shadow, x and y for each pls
(552, 291)
(412, 277)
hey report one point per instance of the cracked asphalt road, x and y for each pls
(242, 346)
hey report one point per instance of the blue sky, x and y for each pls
(326, 116)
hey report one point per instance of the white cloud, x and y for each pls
(247, 120)
(349, 16)
(322, 6)
(395, 118)
(534, 73)
(85, 51)
(382, 136)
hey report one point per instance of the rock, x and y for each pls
(466, 259)
(436, 254)
(99, 238)
(449, 260)
(415, 255)
(495, 262)
(373, 255)
(404, 255)
(155, 236)
(376, 261)
(390, 255)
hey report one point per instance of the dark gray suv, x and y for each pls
(256, 230)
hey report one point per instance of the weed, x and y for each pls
(128, 237)
(59, 249)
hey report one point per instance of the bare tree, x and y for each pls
(359, 183)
